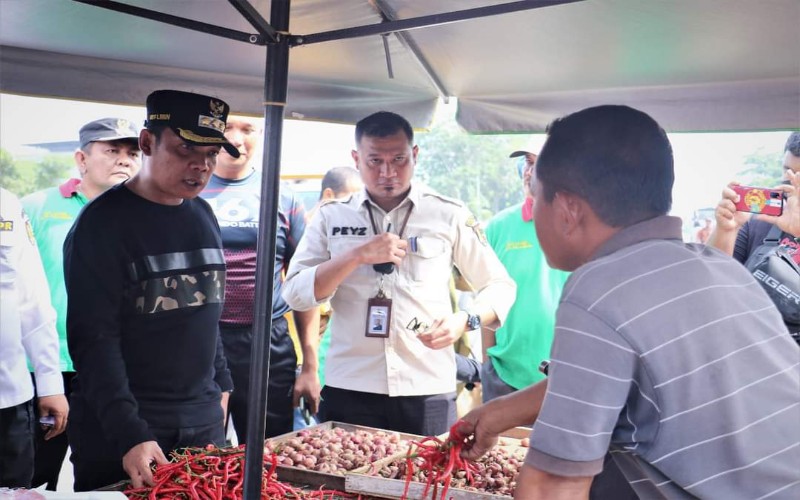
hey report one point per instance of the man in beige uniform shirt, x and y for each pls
(387, 253)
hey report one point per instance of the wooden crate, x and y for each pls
(515, 435)
(393, 488)
(317, 479)
(361, 481)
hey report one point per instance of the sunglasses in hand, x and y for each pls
(416, 326)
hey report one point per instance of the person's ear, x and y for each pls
(354, 155)
(80, 161)
(570, 211)
(328, 194)
(415, 152)
(146, 142)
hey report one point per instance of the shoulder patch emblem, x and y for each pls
(475, 225)
(29, 230)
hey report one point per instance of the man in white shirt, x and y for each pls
(388, 252)
(27, 323)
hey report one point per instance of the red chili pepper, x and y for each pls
(409, 475)
(439, 461)
(193, 488)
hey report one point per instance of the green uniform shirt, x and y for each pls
(525, 338)
(52, 212)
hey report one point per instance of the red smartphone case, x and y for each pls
(759, 200)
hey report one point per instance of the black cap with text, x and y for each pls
(195, 118)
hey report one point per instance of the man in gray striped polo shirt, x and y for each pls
(668, 354)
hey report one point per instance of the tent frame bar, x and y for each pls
(182, 22)
(267, 34)
(424, 21)
(389, 15)
(256, 20)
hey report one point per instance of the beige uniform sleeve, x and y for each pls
(480, 266)
(312, 250)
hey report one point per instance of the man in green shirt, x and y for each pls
(108, 155)
(513, 352)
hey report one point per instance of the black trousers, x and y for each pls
(16, 445)
(95, 470)
(50, 454)
(237, 343)
(421, 415)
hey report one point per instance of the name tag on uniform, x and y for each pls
(349, 231)
(379, 316)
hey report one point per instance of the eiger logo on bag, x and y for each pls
(776, 285)
(775, 269)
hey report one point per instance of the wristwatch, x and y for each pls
(473, 321)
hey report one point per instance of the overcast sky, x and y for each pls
(308, 147)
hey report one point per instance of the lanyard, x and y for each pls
(402, 226)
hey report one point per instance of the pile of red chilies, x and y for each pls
(440, 459)
(218, 474)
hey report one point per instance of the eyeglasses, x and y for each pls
(416, 326)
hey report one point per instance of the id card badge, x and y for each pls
(379, 316)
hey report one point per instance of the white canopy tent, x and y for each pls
(695, 65)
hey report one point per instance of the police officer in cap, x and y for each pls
(108, 155)
(145, 274)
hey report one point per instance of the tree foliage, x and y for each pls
(9, 173)
(52, 170)
(24, 177)
(473, 168)
(763, 169)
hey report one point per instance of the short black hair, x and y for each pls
(616, 158)
(337, 178)
(156, 129)
(793, 144)
(383, 124)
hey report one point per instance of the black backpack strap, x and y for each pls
(773, 236)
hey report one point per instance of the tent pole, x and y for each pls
(275, 90)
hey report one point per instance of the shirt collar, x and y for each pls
(663, 227)
(241, 180)
(70, 188)
(414, 196)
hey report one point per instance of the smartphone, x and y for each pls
(306, 412)
(759, 200)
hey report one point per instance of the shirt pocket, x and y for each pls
(430, 261)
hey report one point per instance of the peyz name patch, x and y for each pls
(349, 231)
